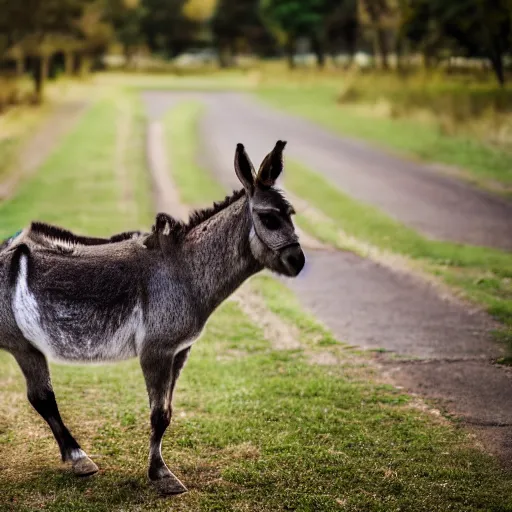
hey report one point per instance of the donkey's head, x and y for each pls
(273, 240)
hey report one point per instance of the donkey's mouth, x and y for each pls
(293, 260)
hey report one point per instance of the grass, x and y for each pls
(483, 274)
(17, 125)
(79, 175)
(479, 162)
(254, 428)
(19, 122)
(216, 80)
(195, 186)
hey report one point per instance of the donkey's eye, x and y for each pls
(270, 221)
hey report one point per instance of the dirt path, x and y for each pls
(39, 147)
(433, 344)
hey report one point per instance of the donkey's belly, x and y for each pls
(59, 343)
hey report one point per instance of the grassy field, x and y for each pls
(255, 428)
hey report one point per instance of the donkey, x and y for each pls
(78, 299)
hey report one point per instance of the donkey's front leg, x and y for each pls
(161, 373)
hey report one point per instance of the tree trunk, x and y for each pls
(85, 65)
(233, 52)
(290, 52)
(319, 51)
(382, 46)
(222, 49)
(69, 63)
(223, 61)
(498, 68)
(20, 65)
(40, 76)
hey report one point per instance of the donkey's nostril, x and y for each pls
(292, 261)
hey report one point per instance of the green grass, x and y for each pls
(8, 148)
(254, 428)
(76, 186)
(484, 274)
(195, 186)
(319, 103)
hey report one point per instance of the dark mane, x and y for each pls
(199, 216)
(40, 231)
(175, 230)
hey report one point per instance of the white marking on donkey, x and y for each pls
(81, 299)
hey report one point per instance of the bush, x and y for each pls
(455, 102)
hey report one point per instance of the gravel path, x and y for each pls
(440, 348)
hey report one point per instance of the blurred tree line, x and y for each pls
(44, 35)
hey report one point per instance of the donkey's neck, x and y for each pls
(218, 255)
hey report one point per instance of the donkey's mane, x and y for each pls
(199, 216)
(42, 232)
(176, 229)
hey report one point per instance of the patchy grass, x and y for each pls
(17, 126)
(263, 430)
(216, 80)
(483, 274)
(196, 187)
(485, 165)
(76, 187)
(19, 122)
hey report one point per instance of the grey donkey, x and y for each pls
(78, 299)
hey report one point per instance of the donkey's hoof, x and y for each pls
(84, 467)
(169, 485)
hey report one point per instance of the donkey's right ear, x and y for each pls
(244, 169)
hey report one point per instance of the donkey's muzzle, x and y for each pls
(293, 259)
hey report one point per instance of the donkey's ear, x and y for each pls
(272, 166)
(244, 168)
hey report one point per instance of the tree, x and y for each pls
(234, 21)
(40, 27)
(342, 26)
(479, 28)
(382, 18)
(126, 18)
(300, 18)
(165, 27)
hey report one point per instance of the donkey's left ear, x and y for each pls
(272, 166)
(244, 168)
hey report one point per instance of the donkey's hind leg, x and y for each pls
(40, 394)
(161, 374)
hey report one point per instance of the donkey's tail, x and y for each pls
(20, 252)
